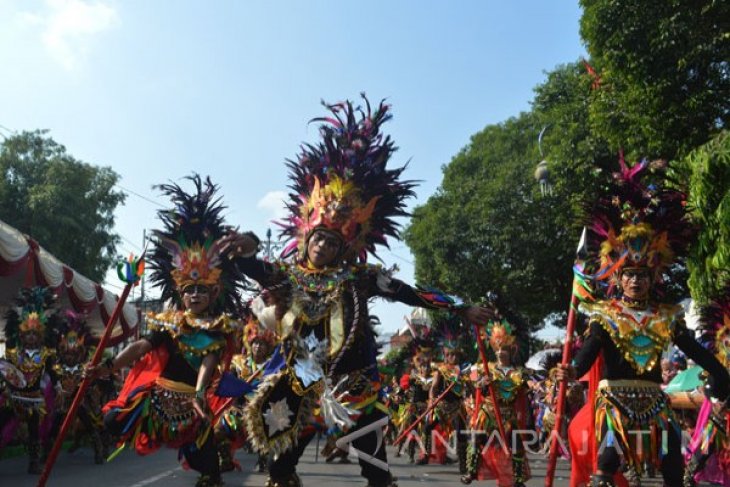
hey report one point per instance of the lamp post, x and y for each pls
(270, 246)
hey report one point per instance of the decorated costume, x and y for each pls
(639, 228)
(708, 458)
(487, 457)
(449, 415)
(344, 198)
(418, 392)
(258, 343)
(27, 373)
(155, 406)
(73, 340)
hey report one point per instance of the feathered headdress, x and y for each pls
(188, 250)
(638, 222)
(254, 331)
(422, 346)
(72, 333)
(342, 184)
(450, 332)
(501, 334)
(33, 312)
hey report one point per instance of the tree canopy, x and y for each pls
(664, 70)
(657, 84)
(64, 204)
(709, 202)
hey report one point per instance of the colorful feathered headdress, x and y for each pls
(638, 222)
(72, 333)
(188, 248)
(255, 331)
(342, 184)
(450, 332)
(501, 334)
(33, 312)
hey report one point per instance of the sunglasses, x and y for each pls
(325, 240)
(636, 274)
(196, 289)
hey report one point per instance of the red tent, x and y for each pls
(23, 262)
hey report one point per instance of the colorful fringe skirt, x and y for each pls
(634, 417)
(158, 414)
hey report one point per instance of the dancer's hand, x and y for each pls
(239, 244)
(564, 372)
(93, 372)
(478, 314)
(201, 409)
(484, 381)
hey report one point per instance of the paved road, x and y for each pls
(162, 470)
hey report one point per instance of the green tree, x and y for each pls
(488, 229)
(665, 73)
(64, 204)
(709, 200)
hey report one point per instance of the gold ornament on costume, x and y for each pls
(641, 338)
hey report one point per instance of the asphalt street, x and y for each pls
(162, 469)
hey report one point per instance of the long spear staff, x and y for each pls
(420, 418)
(133, 273)
(578, 289)
(490, 388)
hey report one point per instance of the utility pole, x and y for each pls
(143, 323)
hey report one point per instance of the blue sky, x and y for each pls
(159, 89)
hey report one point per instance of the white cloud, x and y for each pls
(273, 202)
(68, 27)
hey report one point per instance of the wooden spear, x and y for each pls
(420, 418)
(134, 269)
(490, 387)
(567, 350)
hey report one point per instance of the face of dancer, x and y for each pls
(31, 339)
(503, 355)
(70, 357)
(423, 362)
(197, 298)
(450, 356)
(259, 350)
(323, 248)
(636, 283)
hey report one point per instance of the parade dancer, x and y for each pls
(487, 458)
(418, 395)
(343, 203)
(449, 415)
(258, 344)
(73, 340)
(708, 457)
(639, 228)
(166, 398)
(27, 372)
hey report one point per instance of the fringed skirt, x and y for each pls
(634, 417)
(160, 414)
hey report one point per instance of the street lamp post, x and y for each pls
(270, 246)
